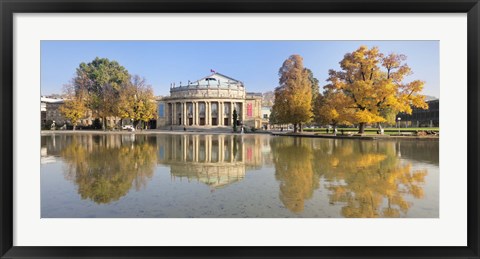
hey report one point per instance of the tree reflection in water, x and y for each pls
(363, 178)
(366, 178)
(293, 159)
(105, 167)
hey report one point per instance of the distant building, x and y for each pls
(49, 110)
(210, 102)
(422, 118)
(266, 111)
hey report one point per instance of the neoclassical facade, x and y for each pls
(216, 160)
(210, 102)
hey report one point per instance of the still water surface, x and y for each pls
(216, 176)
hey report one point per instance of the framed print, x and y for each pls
(239, 129)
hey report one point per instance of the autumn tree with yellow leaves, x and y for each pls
(293, 161)
(104, 89)
(372, 85)
(330, 108)
(73, 109)
(136, 101)
(293, 96)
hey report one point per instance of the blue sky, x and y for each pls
(256, 63)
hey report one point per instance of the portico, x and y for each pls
(203, 113)
(209, 101)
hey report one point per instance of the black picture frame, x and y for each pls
(9, 8)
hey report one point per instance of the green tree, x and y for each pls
(315, 85)
(235, 117)
(293, 96)
(101, 80)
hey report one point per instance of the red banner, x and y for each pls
(249, 110)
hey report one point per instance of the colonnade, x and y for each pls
(188, 113)
(206, 149)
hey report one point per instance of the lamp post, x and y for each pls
(135, 108)
(398, 121)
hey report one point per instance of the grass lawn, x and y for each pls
(374, 130)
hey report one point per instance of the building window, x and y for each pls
(161, 110)
(201, 108)
(214, 109)
(190, 109)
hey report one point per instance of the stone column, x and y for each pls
(185, 147)
(174, 109)
(197, 142)
(231, 149)
(220, 148)
(184, 113)
(208, 142)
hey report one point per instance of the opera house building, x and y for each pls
(215, 160)
(209, 102)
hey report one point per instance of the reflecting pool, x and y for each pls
(225, 176)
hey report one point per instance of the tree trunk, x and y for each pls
(294, 128)
(103, 124)
(361, 128)
(300, 127)
(74, 127)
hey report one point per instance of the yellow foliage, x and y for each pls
(372, 84)
(293, 97)
(74, 108)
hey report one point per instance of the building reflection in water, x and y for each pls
(361, 178)
(216, 160)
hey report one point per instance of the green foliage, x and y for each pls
(101, 81)
(314, 84)
(47, 124)
(235, 117)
